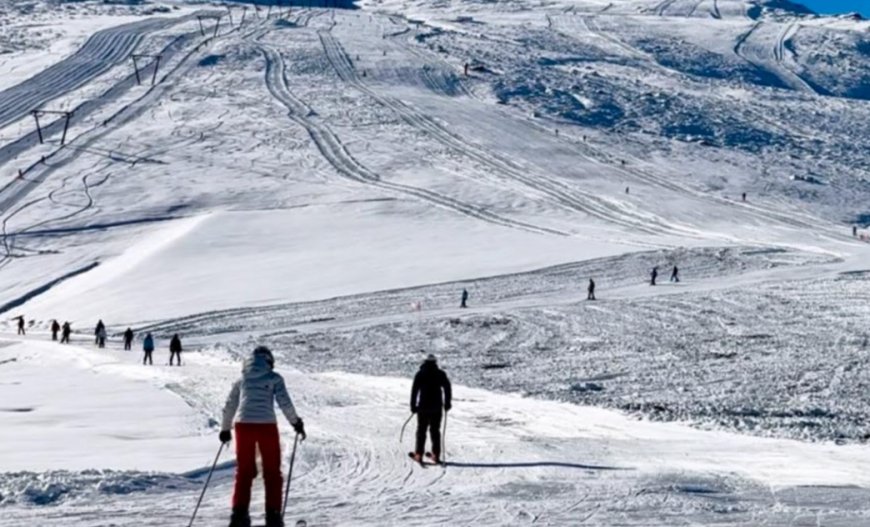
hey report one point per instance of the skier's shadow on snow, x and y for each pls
(532, 464)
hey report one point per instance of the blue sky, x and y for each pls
(838, 6)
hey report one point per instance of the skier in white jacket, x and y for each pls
(250, 409)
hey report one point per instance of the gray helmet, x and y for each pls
(431, 358)
(267, 354)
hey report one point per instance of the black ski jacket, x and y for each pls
(175, 345)
(426, 392)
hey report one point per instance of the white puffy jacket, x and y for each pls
(253, 397)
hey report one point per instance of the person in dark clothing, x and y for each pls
(128, 339)
(854, 230)
(175, 349)
(55, 328)
(97, 330)
(65, 332)
(675, 275)
(591, 290)
(148, 348)
(20, 319)
(653, 275)
(427, 402)
(102, 335)
(464, 303)
(743, 196)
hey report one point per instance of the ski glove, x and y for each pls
(226, 436)
(299, 427)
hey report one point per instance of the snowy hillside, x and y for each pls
(326, 181)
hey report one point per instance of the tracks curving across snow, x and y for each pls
(331, 147)
(772, 57)
(569, 196)
(17, 190)
(102, 51)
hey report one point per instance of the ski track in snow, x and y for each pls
(573, 198)
(501, 470)
(775, 61)
(338, 155)
(17, 190)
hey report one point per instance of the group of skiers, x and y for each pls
(148, 345)
(101, 335)
(654, 274)
(590, 289)
(675, 275)
(249, 417)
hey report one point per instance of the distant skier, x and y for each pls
(427, 403)
(464, 303)
(65, 333)
(466, 69)
(653, 275)
(20, 320)
(250, 407)
(100, 327)
(743, 197)
(175, 349)
(55, 328)
(148, 348)
(590, 290)
(128, 339)
(627, 190)
(854, 230)
(101, 337)
(675, 275)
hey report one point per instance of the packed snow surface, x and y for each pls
(327, 181)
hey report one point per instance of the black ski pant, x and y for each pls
(430, 421)
(101, 342)
(148, 358)
(21, 331)
(128, 345)
(591, 295)
(172, 355)
(64, 339)
(54, 335)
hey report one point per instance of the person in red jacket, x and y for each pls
(251, 407)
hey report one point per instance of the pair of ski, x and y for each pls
(423, 463)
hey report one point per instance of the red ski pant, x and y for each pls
(250, 436)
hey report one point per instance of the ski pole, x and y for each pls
(207, 480)
(444, 439)
(402, 433)
(289, 476)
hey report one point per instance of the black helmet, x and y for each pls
(267, 354)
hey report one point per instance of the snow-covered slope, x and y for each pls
(327, 181)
